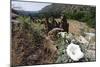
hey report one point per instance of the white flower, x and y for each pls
(63, 34)
(74, 52)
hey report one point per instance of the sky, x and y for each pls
(28, 6)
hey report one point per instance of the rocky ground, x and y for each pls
(79, 34)
(30, 47)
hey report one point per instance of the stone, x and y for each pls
(91, 54)
(82, 40)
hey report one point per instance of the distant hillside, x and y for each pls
(25, 13)
(82, 13)
(66, 8)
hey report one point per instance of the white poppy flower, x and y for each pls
(74, 52)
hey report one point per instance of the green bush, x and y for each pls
(87, 16)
